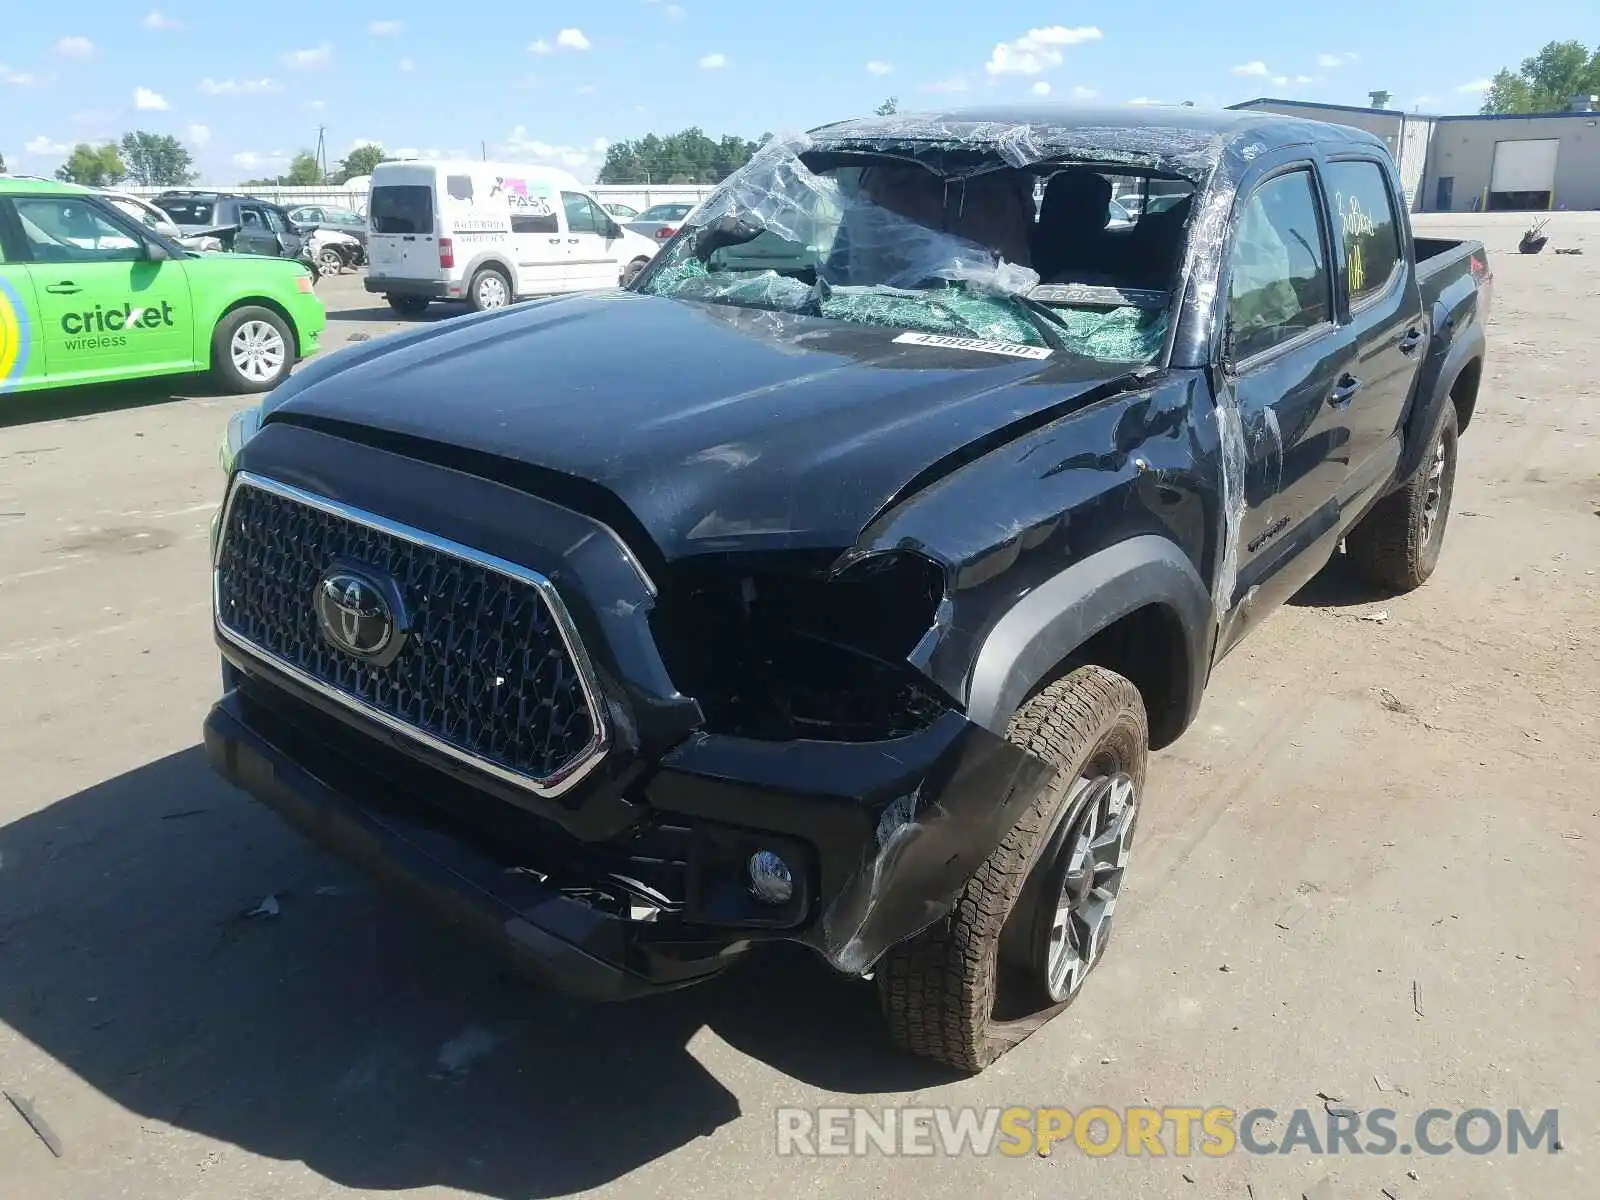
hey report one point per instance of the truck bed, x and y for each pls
(1445, 263)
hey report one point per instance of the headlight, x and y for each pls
(242, 427)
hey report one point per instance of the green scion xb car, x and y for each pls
(90, 295)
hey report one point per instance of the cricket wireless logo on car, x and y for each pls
(105, 328)
(13, 335)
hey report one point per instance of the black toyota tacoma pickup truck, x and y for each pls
(831, 583)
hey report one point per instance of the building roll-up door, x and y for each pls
(1524, 166)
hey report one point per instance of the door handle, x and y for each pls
(1411, 340)
(572, 241)
(555, 241)
(1344, 391)
(65, 288)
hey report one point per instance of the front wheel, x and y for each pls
(1033, 920)
(329, 261)
(252, 350)
(490, 289)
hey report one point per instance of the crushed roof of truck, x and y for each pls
(1176, 139)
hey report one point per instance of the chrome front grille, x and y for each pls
(488, 670)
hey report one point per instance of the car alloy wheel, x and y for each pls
(257, 351)
(1101, 813)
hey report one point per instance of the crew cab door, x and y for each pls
(106, 309)
(1383, 309)
(256, 235)
(1283, 387)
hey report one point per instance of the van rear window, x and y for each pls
(402, 208)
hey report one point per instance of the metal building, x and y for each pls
(1473, 163)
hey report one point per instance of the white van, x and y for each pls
(490, 233)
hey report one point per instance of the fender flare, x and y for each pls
(1042, 629)
(490, 258)
(1424, 419)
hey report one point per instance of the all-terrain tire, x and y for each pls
(408, 306)
(1396, 545)
(939, 989)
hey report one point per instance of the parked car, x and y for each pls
(841, 604)
(336, 220)
(661, 221)
(244, 224)
(151, 217)
(622, 212)
(490, 234)
(90, 293)
(332, 250)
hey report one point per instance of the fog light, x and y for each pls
(770, 879)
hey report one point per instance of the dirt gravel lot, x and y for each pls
(1368, 872)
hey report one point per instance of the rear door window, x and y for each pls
(401, 208)
(188, 212)
(1368, 228)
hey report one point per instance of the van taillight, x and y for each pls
(665, 232)
(447, 252)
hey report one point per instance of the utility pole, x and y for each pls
(322, 151)
(483, 149)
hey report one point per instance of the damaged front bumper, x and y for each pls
(880, 837)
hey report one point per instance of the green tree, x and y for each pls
(304, 171)
(889, 107)
(2, 164)
(359, 161)
(156, 158)
(93, 166)
(686, 157)
(1547, 82)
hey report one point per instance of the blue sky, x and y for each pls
(555, 81)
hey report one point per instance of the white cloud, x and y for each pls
(156, 19)
(147, 101)
(314, 106)
(1307, 79)
(539, 47)
(75, 47)
(18, 78)
(407, 64)
(1038, 49)
(1145, 100)
(714, 62)
(1084, 93)
(587, 89)
(238, 87)
(572, 39)
(1280, 80)
(519, 147)
(198, 134)
(1041, 88)
(44, 147)
(250, 160)
(409, 152)
(675, 11)
(878, 67)
(956, 83)
(1331, 61)
(383, 28)
(309, 60)
(1477, 85)
(1257, 69)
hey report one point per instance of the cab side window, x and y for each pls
(581, 216)
(1279, 284)
(1364, 213)
(66, 229)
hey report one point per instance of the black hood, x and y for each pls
(716, 427)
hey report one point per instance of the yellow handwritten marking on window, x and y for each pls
(1357, 226)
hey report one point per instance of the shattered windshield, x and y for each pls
(886, 241)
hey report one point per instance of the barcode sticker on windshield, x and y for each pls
(955, 343)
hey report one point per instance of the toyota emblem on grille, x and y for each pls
(359, 615)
